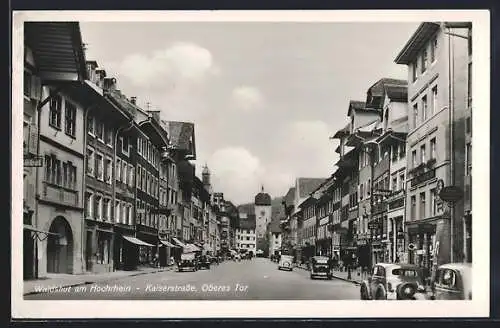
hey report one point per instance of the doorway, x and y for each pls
(60, 247)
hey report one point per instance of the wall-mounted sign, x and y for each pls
(411, 247)
(33, 161)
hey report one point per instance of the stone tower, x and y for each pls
(263, 211)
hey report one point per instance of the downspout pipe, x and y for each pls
(452, 134)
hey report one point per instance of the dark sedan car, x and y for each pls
(204, 262)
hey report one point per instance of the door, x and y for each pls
(60, 247)
(378, 278)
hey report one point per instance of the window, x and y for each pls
(99, 130)
(414, 69)
(422, 206)
(117, 212)
(108, 136)
(90, 124)
(424, 61)
(138, 180)
(124, 214)
(90, 161)
(422, 154)
(131, 176)
(55, 111)
(70, 119)
(108, 168)
(125, 145)
(118, 169)
(413, 207)
(433, 195)
(124, 172)
(433, 148)
(402, 181)
(106, 210)
(402, 151)
(130, 215)
(434, 44)
(414, 158)
(424, 108)
(434, 100)
(468, 159)
(103, 249)
(88, 204)
(468, 125)
(98, 204)
(96, 207)
(415, 115)
(394, 183)
(99, 163)
(144, 182)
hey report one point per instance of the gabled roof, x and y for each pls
(57, 49)
(289, 197)
(355, 105)
(342, 132)
(397, 93)
(375, 93)
(308, 185)
(416, 42)
(182, 136)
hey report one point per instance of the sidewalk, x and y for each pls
(70, 280)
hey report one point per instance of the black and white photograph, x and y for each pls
(269, 158)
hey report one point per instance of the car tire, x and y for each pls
(380, 295)
(363, 294)
(312, 277)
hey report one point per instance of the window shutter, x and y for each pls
(33, 139)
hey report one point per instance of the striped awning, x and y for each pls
(136, 241)
(178, 242)
(166, 243)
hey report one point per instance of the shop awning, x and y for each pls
(192, 248)
(166, 243)
(178, 242)
(136, 241)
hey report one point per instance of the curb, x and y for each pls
(96, 282)
(336, 277)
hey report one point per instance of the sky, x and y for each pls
(265, 97)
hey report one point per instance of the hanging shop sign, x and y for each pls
(33, 161)
(411, 247)
(451, 194)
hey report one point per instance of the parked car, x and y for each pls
(188, 262)
(321, 267)
(204, 262)
(285, 262)
(393, 281)
(452, 281)
(237, 257)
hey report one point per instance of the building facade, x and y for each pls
(246, 237)
(53, 120)
(437, 56)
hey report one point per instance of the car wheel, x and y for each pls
(291, 269)
(380, 295)
(363, 293)
(312, 277)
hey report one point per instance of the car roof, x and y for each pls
(320, 257)
(398, 265)
(456, 266)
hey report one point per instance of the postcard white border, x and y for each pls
(478, 307)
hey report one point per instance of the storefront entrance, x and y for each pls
(60, 248)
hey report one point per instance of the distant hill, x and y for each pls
(277, 208)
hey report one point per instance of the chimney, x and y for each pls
(110, 84)
(133, 100)
(155, 113)
(91, 70)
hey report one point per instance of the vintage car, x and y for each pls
(188, 262)
(285, 262)
(204, 262)
(321, 267)
(393, 281)
(452, 282)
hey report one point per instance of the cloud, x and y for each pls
(180, 63)
(247, 98)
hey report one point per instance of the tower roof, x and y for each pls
(262, 198)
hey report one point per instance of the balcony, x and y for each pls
(353, 213)
(381, 167)
(423, 177)
(58, 194)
